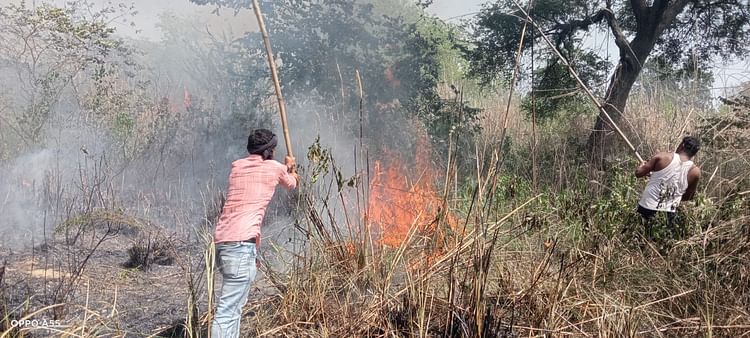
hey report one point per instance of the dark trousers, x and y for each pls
(649, 217)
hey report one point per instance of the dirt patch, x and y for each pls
(33, 268)
(117, 299)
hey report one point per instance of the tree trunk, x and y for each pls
(651, 21)
(603, 139)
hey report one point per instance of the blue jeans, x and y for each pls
(237, 265)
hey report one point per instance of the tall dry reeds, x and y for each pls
(569, 261)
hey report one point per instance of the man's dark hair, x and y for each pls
(690, 145)
(262, 142)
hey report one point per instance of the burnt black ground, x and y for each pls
(121, 301)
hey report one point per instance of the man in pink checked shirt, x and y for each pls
(252, 182)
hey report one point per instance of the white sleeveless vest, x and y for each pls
(665, 188)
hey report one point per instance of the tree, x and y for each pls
(222, 81)
(45, 50)
(675, 31)
(322, 43)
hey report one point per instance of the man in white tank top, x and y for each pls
(673, 179)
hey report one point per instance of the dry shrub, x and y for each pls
(146, 252)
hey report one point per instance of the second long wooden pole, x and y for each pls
(274, 77)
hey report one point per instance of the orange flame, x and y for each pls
(402, 197)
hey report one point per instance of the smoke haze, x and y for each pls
(155, 135)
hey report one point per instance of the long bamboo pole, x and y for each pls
(578, 79)
(274, 77)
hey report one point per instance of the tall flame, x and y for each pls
(402, 197)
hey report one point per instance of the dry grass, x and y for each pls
(564, 259)
(572, 263)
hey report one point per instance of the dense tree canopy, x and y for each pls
(322, 44)
(675, 33)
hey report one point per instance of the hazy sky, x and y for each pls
(453, 10)
(149, 11)
(447, 9)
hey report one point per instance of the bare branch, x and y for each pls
(575, 25)
(620, 39)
